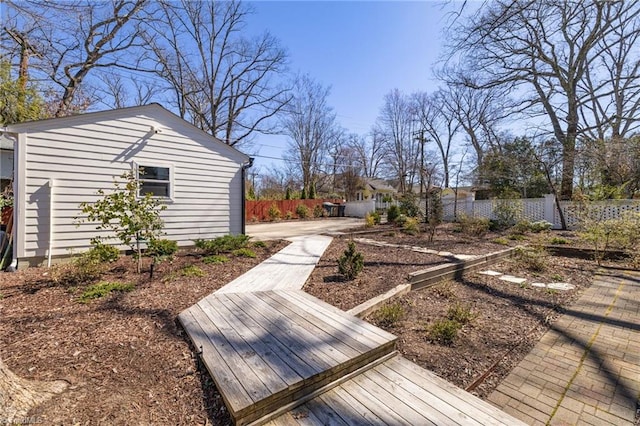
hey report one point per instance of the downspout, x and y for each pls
(51, 185)
(245, 166)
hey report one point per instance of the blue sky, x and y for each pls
(362, 49)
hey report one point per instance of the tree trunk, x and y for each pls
(18, 396)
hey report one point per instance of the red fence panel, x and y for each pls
(259, 210)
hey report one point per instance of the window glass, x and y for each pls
(155, 181)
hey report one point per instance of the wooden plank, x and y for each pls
(339, 320)
(453, 395)
(259, 343)
(355, 324)
(232, 391)
(323, 414)
(349, 408)
(382, 393)
(310, 339)
(287, 269)
(341, 339)
(282, 331)
(377, 406)
(235, 364)
(372, 305)
(237, 348)
(418, 398)
(301, 367)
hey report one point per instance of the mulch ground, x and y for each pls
(124, 356)
(128, 362)
(386, 267)
(507, 319)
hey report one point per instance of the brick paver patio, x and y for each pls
(586, 369)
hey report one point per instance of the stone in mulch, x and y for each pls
(491, 273)
(512, 279)
(415, 248)
(516, 280)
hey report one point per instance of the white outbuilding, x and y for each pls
(59, 163)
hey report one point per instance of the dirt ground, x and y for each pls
(127, 361)
(124, 356)
(507, 319)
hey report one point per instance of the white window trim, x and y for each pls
(143, 164)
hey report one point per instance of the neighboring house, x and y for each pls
(462, 193)
(62, 162)
(374, 189)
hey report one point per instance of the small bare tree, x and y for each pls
(223, 83)
(311, 126)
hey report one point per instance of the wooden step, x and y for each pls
(265, 350)
(394, 392)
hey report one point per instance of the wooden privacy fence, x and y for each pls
(259, 210)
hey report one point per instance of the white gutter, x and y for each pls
(51, 185)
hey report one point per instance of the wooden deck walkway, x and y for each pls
(287, 269)
(395, 392)
(271, 348)
(265, 350)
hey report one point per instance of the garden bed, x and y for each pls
(124, 356)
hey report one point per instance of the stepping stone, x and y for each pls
(512, 279)
(465, 256)
(542, 285)
(561, 286)
(490, 273)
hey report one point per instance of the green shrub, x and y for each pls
(103, 252)
(516, 237)
(401, 220)
(130, 217)
(524, 226)
(215, 259)
(445, 289)
(473, 226)
(389, 314)
(501, 240)
(274, 212)
(409, 205)
(376, 217)
(460, 313)
(102, 289)
(85, 268)
(506, 213)
(192, 271)
(351, 262)
(369, 221)
(558, 241)
(161, 249)
(622, 233)
(244, 252)
(259, 244)
(540, 226)
(534, 259)
(444, 331)
(288, 215)
(411, 226)
(393, 213)
(318, 211)
(224, 244)
(521, 228)
(302, 211)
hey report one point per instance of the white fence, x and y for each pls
(359, 208)
(535, 209)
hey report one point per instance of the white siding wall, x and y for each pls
(82, 158)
